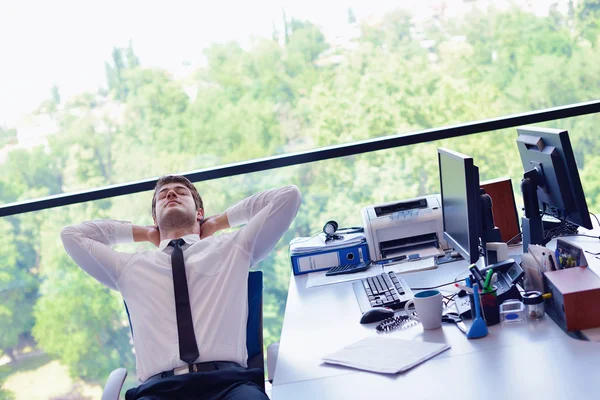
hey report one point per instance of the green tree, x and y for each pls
(588, 20)
(17, 287)
(7, 136)
(123, 59)
(351, 16)
(55, 94)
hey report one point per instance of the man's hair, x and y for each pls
(163, 180)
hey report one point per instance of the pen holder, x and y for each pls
(489, 307)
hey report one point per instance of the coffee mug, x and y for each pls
(429, 308)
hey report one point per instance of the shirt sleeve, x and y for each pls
(267, 216)
(90, 245)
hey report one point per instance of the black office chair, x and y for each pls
(254, 337)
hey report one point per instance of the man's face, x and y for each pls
(175, 207)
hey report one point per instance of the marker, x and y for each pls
(552, 266)
(477, 274)
(488, 279)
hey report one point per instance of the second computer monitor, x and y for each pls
(551, 183)
(459, 185)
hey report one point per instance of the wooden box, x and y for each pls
(575, 297)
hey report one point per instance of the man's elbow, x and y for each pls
(67, 235)
(293, 195)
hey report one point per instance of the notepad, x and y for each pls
(385, 355)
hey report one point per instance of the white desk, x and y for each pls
(528, 359)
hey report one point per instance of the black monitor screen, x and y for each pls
(459, 184)
(559, 189)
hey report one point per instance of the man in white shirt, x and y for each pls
(215, 274)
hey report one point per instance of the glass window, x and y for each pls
(58, 322)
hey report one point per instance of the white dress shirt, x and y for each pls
(217, 276)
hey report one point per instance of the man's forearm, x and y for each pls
(146, 234)
(90, 245)
(268, 215)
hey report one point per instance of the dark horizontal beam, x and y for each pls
(324, 153)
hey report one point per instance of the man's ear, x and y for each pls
(199, 215)
(155, 223)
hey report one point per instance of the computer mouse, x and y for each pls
(455, 254)
(376, 314)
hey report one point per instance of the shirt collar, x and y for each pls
(189, 239)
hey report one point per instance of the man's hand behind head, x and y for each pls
(153, 235)
(146, 234)
(208, 226)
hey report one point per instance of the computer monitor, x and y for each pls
(459, 185)
(551, 184)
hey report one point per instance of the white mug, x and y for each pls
(429, 308)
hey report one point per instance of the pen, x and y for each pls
(468, 282)
(488, 280)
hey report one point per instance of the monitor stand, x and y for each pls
(531, 222)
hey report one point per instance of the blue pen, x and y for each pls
(468, 282)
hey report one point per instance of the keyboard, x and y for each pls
(383, 290)
(348, 268)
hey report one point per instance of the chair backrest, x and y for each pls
(254, 325)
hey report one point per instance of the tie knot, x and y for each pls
(177, 242)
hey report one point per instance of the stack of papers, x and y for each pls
(317, 243)
(385, 355)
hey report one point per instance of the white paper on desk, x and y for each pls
(411, 266)
(423, 251)
(385, 355)
(320, 279)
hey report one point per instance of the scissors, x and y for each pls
(454, 318)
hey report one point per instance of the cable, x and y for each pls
(513, 238)
(598, 221)
(449, 299)
(438, 286)
(581, 234)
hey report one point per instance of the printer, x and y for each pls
(395, 228)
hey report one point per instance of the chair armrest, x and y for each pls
(114, 383)
(272, 351)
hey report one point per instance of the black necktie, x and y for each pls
(188, 348)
